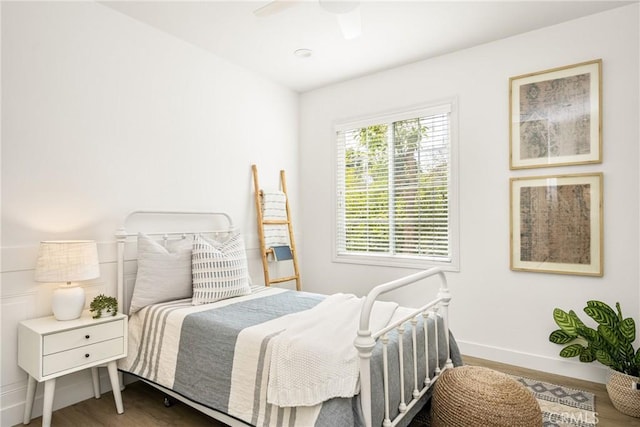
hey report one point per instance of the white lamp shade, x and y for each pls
(67, 261)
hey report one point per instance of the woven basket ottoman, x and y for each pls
(473, 396)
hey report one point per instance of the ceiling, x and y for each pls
(393, 32)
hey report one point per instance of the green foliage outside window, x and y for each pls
(396, 191)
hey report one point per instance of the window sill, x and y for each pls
(387, 261)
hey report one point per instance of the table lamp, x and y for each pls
(67, 262)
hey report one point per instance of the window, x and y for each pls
(395, 189)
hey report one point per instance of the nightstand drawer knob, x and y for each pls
(86, 355)
(87, 336)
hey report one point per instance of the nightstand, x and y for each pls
(49, 348)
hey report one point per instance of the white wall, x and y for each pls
(102, 115)
(496, 313)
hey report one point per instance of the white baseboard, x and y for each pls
(567, 367)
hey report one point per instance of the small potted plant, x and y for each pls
(611, 344)
(103, 303)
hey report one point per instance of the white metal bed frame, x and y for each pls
(366, 339)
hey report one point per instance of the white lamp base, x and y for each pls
(68, 302)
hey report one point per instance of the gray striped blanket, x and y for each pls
(218, 355)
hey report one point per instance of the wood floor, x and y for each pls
(144, 405)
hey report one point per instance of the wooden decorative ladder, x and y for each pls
(262, 222)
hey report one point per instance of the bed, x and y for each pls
(267, 356)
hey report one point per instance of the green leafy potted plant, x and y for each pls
(103, 303)
(611, 344)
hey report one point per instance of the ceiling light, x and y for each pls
(303, 53)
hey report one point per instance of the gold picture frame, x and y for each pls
(557, 224)
(555, 117)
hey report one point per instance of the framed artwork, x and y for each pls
(556, 224)
(555, 117)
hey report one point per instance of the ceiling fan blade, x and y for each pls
(273, 7)
(339, 6)
(347, 12)
(350, 24)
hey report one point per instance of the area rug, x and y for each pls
(561, 406)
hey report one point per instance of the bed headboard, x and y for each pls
(163, 225)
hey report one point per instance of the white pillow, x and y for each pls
(164, 273)
(219, 269)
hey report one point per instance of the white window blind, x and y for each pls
(393, 181)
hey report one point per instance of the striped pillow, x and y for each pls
(219, 269)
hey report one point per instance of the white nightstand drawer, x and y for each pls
(62, 341)
(80, 356)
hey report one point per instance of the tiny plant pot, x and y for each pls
(103, 304)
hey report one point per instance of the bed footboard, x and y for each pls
(366, 341)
